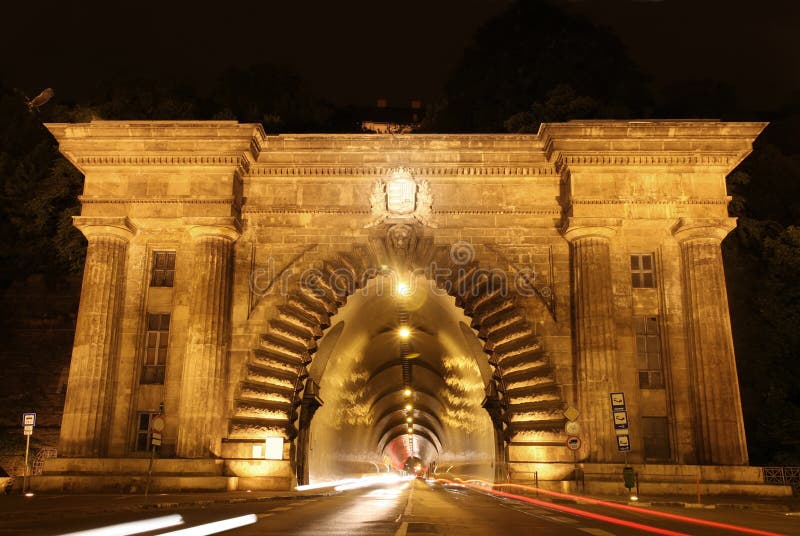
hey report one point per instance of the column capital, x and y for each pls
(577, 228)
(92, 227)
(230, 228)
(698, 228)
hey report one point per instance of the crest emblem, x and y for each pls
(400, 197)
(401, 193)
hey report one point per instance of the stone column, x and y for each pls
(90, 392)
(594, 335)
(201, 407)
(717, 407)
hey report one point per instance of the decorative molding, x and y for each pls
(369, 171)
(650, 201)
(158, 200)
(365, 212)
(638, 158)
(239, 160)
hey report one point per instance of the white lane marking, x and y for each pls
(597, 532)
(280, 509)
(298, 503)
(562, 519)
(260, 516)
(401, 531)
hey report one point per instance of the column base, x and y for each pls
(654, 479)
(129, 475)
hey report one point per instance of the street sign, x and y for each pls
(572, 428)
(157, 423)
(623, 443)
(28, 419)
(618, 402)
(573, 442)
(621, 420)
(571, 413)
(28, 430)
(155, 439)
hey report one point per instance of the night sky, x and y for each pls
(355, 51)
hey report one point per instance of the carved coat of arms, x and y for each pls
(400, 196)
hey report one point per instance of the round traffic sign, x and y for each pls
(572, 428)
(157, 423)
(573, 442)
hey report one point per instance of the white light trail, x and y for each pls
(215, 527)
(132, 527)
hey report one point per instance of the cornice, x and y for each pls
(157, 159)
(364, 212)
(261, 170)
(715, 201)
(166, 200)
(643, 159)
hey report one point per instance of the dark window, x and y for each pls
(143, 431)
(648, 353)
(642, 271)
(656, 438)
(155, 351)
(163, 269)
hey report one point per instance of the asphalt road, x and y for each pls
(414, 508)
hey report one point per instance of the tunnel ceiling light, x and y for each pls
(409, 407)
(410, 431)
(404, 333)
(403, 289)
(407, 391)
(409, 419)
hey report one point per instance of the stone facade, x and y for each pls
(241, 210)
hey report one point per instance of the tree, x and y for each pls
(529, 54)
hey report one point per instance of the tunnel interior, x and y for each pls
(402, 378)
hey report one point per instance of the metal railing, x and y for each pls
(787, 476)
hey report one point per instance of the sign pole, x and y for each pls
(26, 477)
(149, 473)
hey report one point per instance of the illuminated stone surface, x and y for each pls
(288, 256)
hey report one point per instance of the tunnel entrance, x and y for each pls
(401, 376)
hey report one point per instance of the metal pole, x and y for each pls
(149, 473)
(25, 474)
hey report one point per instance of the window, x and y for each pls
(143, 431)
(648, 353)
(656, 438)
(155, 352)
(642, 272)
(163, 269)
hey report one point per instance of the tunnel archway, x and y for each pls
(511, 378)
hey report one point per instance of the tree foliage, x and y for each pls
(534, 53)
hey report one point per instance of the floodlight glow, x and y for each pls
(404, 333)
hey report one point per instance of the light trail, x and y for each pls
(214, 527)
(577, 512)
(482, 484)
(132, 527)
